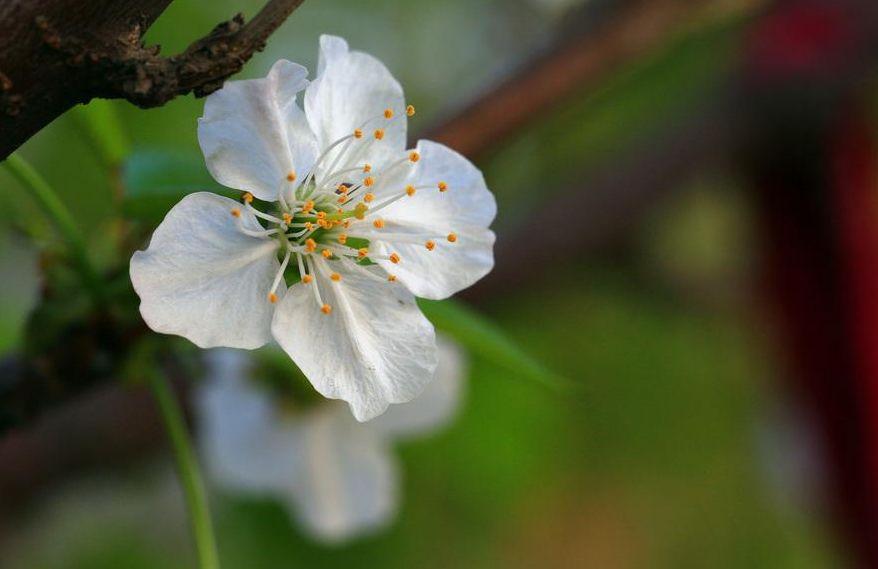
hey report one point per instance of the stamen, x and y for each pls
(307, 279)
(392, 278)
(342, 238)
(388, 113)
(247, 197)
(335, 276)
(358, 133)
(327, 254)
(430, 245)
(378, 223)
(236, 213)
(414, 156)
(361, 253)
(369, 181)
(442, 186)
(315, 288)
(310, 245)
(291, 176)
(410, 110)
(272, 297)
(394, 258)
(452, 237)
(367, 168)
(410, 190)
(326, 309)
(379, 133)
(368, 197)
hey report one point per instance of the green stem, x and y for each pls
(60, 216)
(187, 469)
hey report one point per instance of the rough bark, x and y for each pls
(55, 54)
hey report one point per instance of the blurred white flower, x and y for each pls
(367, 224)
(337, 476)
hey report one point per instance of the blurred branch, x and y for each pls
(55, 54)
(599, 43)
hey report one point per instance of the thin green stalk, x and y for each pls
(187, 469)
(60, 216)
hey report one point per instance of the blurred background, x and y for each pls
(688, 230)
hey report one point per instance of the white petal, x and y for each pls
(238, 429)
(466, 209)
(350, 89)
(435, 406)
(346, 479)
(203, 279)
(375, 348)
(253, 133)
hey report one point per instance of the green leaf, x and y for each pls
(487, 340)
(155, 180)
(99, 118)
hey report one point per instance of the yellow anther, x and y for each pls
(335, 276)
(414, 156)
(391, 278)
(324, 224)
(367, 168)
(368, 197)
(288, 219)
(342, 238)
(309, 226)
(394, 258)
(442, 186)
(341, 188)
(321, 215)
(308, 206)
(369, 181)
(272, 298)
(247, 197)
(310, 245)
(430, 245)
(361, 253)
(410, 190)
(410, 110)
(360, 210)
(379, 133)
(326, 253)
(236, 212)
(388, 113)
(342, 199)
(291, 176)
(378, 223)
(307, 279)
(325, 309)
(358, 133)
(346, 223)
(452, 237)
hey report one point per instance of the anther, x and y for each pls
(442, 186)
(358, 133)
(391, 278)
(341, 189)
(309, 205)
(410, 190)
(367, 168)
(368, 197)
(236, 212)
(414, 156)
(342, 199)
(360, 211)
(379, 133)
(309, 226)
(430, 245)
(291, 176)
(272, 298)
(335, 276)
(321, 215)
(307, 279)
(394, 258)
(326, 253)
(410, 110)
(310, 245)
(388, 113)
(342, 238)
(288, 219)
(452, 237)
(378, 223)
(369, 181)
(325, 309)
(361, 253)
(247, 197)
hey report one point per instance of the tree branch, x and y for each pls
(55, 54)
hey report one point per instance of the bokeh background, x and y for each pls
(685, 232)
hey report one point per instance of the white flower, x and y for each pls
(338, 477)
(364, 223)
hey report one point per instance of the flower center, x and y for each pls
(331, 215)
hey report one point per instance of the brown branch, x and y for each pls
(55, 54)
